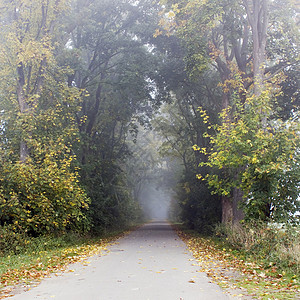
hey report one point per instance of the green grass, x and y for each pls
(44, 255)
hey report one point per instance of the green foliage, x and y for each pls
(39, 181)
(112, 204)
(222, 35)
(180, 126)
(113, 65)
(12, 239)
(75, 74)
(289, 100)
(199, 209)
(44, 194)
(263, 152)
(42, 198)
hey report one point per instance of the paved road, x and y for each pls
(151, 263)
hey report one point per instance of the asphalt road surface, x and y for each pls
(151, 263)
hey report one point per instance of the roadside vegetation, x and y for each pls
(24, 267)
(276, 247)
(249, 261)
(239, 188)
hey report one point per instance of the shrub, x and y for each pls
(42, 199)
(12, 239)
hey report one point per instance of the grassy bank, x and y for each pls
(244, 272)
(45, 255)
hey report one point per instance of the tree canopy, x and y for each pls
(100, 98)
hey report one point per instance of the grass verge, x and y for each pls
(244, 276)
(46, 255)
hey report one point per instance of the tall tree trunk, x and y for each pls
(231, 213)
(237, 212)
(258, 17)
(227, 209)
(24, 108)
(257, 14)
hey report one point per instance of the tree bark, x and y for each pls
(24, 107)
(258, 16)
(227, 210)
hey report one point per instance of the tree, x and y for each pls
(266, 154)
(220, 30)
(39, 181)
(28, 52)
(115, 68)
(180, 125)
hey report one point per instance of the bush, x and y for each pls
(12, 239)
(44, 198)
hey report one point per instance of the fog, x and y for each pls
(155, 202)
(152, 176)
